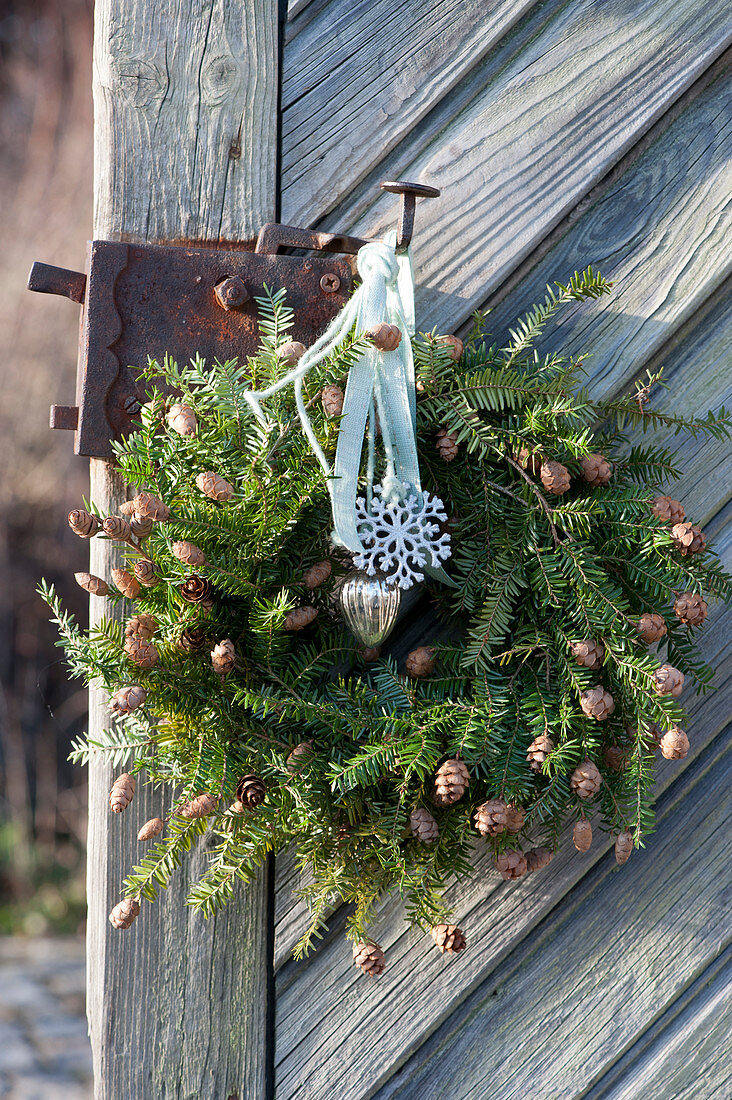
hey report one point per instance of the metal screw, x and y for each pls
(330, 283)
(132, 405)
(410, 192)
(231, 292)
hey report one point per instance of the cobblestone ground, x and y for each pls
(44, 1049)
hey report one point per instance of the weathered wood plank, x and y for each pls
(177, 1006)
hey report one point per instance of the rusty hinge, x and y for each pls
(152, 300)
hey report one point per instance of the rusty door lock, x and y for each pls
(152, 300)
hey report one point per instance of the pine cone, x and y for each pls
(451, 782)
(141, 626)
(453, 345)
(332, 398)
(651, 627)
(200, 806)
(300, 618)
(667, 680)
(615, 757)
(301, 755)
(423, 826)
(597, 703)
(623, 847)
(511, 863)
(141, 652)
(127, 508)
(223, 656)
(691, 608)
(588, 653)
(124, 913)
(370, 958)
(192, 639)
(148, 506)
(538, 751)
(555, 477)
(290, 353)
(674, 744)
(117, 527)
(447, 444)
(251, 791)
(369, 653)
(83, 523)
(667, 510)
(126, 699)
(384, 337)
(317, 574)
(182, 419)
(196, 589)
(95, 585)
(140, 527)
(188, 554)
(145, 573)
(214, 486)
(491, 818)
(449, 938)
(515, 816)
(538, 858)
(122, 793)
(151, 828)
(586, 779)
(421, 661)
(530, 461)
(688, 539)
(582, 835)
(126, 583)
(596, 470)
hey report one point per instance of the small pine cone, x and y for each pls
(451, 782)
(126, 699)
(145, 573)
(651, 627)
(290, 353)
(127, 508)
(141, 526)
(596, 470)
(300, 618)
(582, 835)
(555, 477)
(623, 847)
(301, 755)
(125, 913)
(667, 510)
(251, 791)
(192, 639)
(200, 806)
(223, 656)
(529, 460)
(117, 527)
(141, 626)
(182, 419)
(615, 757)
(317, 574)
(597, 703)
(384, 337)
(674, 744)
(95, 585)
(449, 938)
(196, 589)
(588, 653)
(126, 583)
(491, 818)
(421, 661)
(538, 751)
(423, 826)
(538, 858)
(141, 652)
(148, 506)
(83, 523)
(332, 398)
(691, 608)
(188, 553)
(688, 539)
(370, 958)
(122, 793)
(586, 779)
(447, 444)
(214, 486)
(452, 344)
(667, 680)
(515, 816)
(151, 828)
(369, 653)
(511, 863)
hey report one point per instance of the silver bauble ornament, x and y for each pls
(370, 606)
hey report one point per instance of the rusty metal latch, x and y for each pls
(153, 300)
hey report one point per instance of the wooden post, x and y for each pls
(185, 149)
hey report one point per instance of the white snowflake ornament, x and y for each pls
(401, 536)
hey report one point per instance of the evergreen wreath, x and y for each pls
(237, 690)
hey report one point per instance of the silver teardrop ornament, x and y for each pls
(370, 606)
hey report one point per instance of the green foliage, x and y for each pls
(534, 572)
